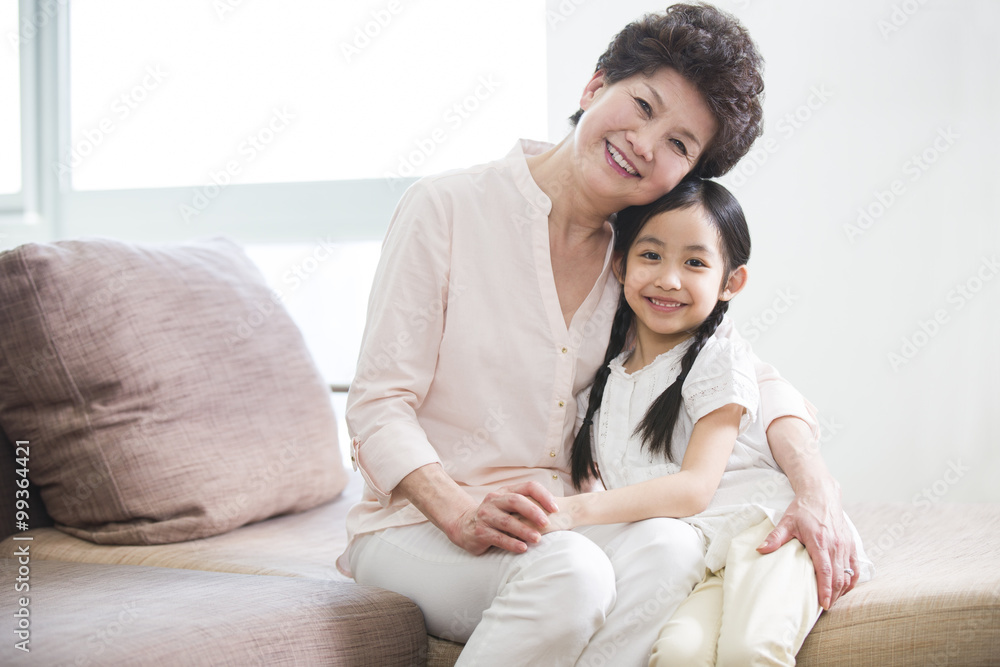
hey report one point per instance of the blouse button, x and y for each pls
(556, 477)
(565, 350)
(562, 404)
(552, 454)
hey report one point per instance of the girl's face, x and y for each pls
(675, 274)
(640, 136)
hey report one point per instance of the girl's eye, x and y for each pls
(649, 254)
(644, 105)
(680, 146)
(695, 262)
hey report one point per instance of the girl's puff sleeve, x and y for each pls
(722, 374)
(778, 398)
(406, 316)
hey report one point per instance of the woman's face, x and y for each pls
(638, 137)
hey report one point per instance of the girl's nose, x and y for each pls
(668, 279)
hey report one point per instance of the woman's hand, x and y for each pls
(815, 517)
(509, 518)
(820, 526)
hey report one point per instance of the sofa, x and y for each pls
(172, 490)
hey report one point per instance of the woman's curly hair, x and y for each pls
(709, 48)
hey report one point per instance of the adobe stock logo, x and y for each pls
(958, 297)
(915, 168)
(247, 152)
(790, 123)
(454, 117)
(900, 16)
(121, 109)
(758, 324)
(363, 35)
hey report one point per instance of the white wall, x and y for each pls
(830, 301)
(892, 431)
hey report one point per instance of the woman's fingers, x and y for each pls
(509, 518)
(830, 543)
(538, 493)
(851, 572)
(844, 552)
(504, 519)
(531, 501)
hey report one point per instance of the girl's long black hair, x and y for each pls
(657, 426)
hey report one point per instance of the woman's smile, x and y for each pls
(619, 161)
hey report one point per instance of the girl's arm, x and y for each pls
(685, 493)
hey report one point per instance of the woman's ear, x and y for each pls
(616, 266)
(595, 84)
(737, 281)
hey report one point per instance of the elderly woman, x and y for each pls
(490, 311)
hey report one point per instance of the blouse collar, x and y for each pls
(669, 358)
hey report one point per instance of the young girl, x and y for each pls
(675, 390)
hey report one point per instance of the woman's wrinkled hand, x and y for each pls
(820, 526)
(510, 518)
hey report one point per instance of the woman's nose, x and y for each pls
(641, 144)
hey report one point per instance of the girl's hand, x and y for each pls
(509, 518)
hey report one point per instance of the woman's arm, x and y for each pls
(815, 517)
(685, 493)
(399, 349)
(396, 367)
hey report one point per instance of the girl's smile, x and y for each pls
(666, 305)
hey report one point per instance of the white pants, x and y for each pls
(755, 611)
(595, 596)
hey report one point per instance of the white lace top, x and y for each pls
(752, 486)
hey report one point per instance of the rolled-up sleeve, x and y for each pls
(778, 398)
(399, 349)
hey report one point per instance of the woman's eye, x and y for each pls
(644, 105)
(680, 146)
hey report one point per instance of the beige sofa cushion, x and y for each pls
(166, 395)
(305, 544)
(935, 598)
(117, 615)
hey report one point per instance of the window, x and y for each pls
(287, 125)
(10, 102)
(274, 121)
(171, 93)
(324, 288)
